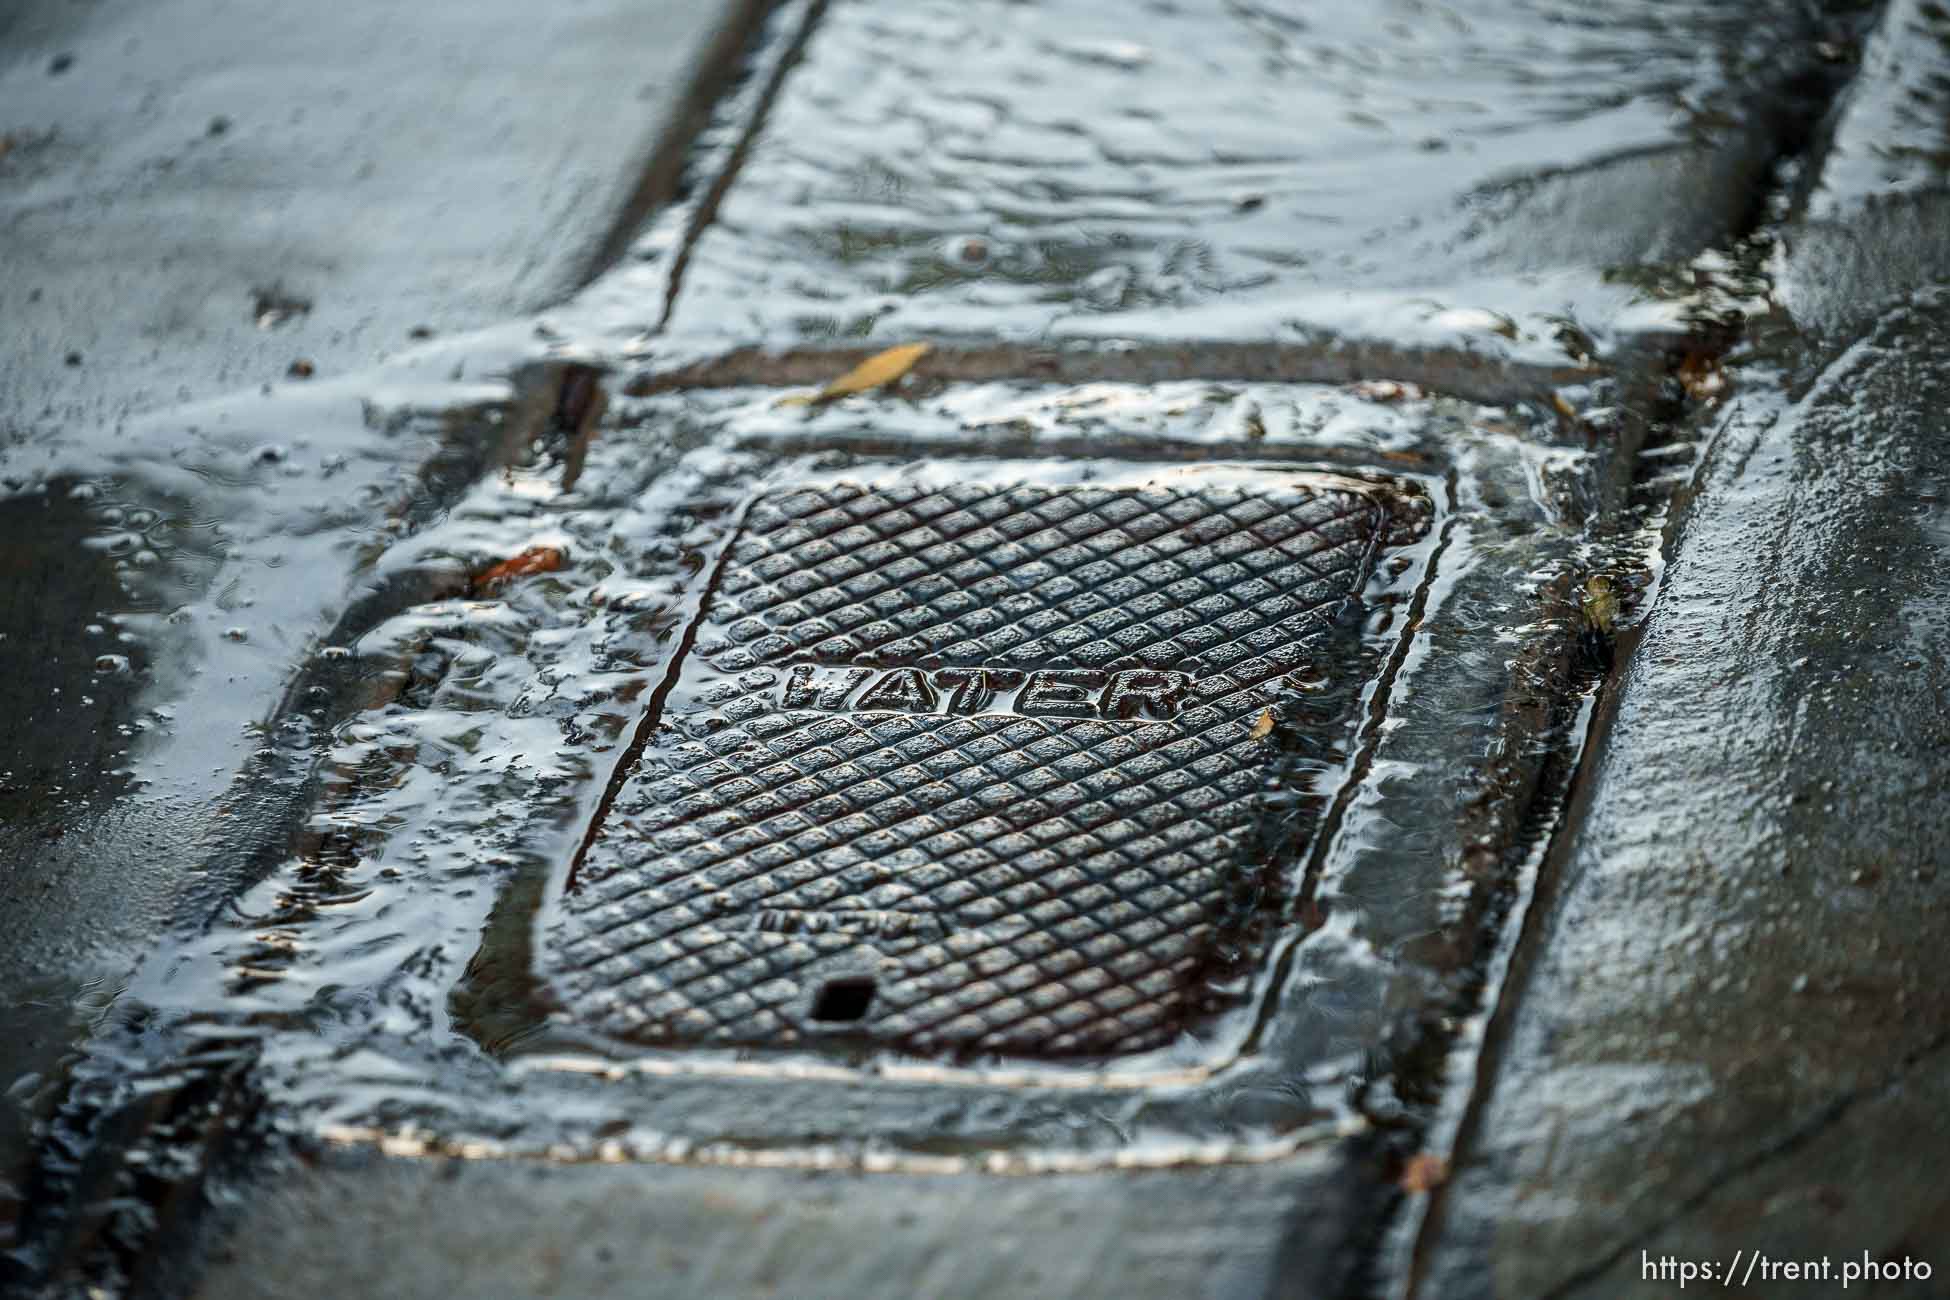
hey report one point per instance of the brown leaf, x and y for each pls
(1255, 425)
(1263, 728)
(876, 371)
(536, 559)
(1702, 376)
(1424, 1173)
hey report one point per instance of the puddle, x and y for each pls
(1223, 171)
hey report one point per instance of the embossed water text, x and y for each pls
(1128, 694)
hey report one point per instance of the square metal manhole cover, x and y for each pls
(962, 762)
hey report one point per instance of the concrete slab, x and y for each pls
(403, 1228)
(1843, 1205)
(197, 195)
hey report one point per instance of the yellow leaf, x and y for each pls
(876, 371)
(1600, 603)
(1264, 727)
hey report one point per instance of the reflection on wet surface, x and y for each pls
(1892, 138)
(1871, 221)
(68, 710)
(1224, 170)
(67, 707)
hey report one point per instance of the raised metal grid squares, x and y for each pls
(961, 766)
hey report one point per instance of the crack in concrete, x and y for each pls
(1823, 1120)
(704, 212)
(738, 41)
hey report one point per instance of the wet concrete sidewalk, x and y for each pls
(1366, 719)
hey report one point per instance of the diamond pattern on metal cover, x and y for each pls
(964, 768)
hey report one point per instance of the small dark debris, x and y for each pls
(1576, 343)
(219, 125)
(72, 359)
(1596, 648)
(59, 64)
(580, 396)
(272, 307)
(419, 332)
(301, 369)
